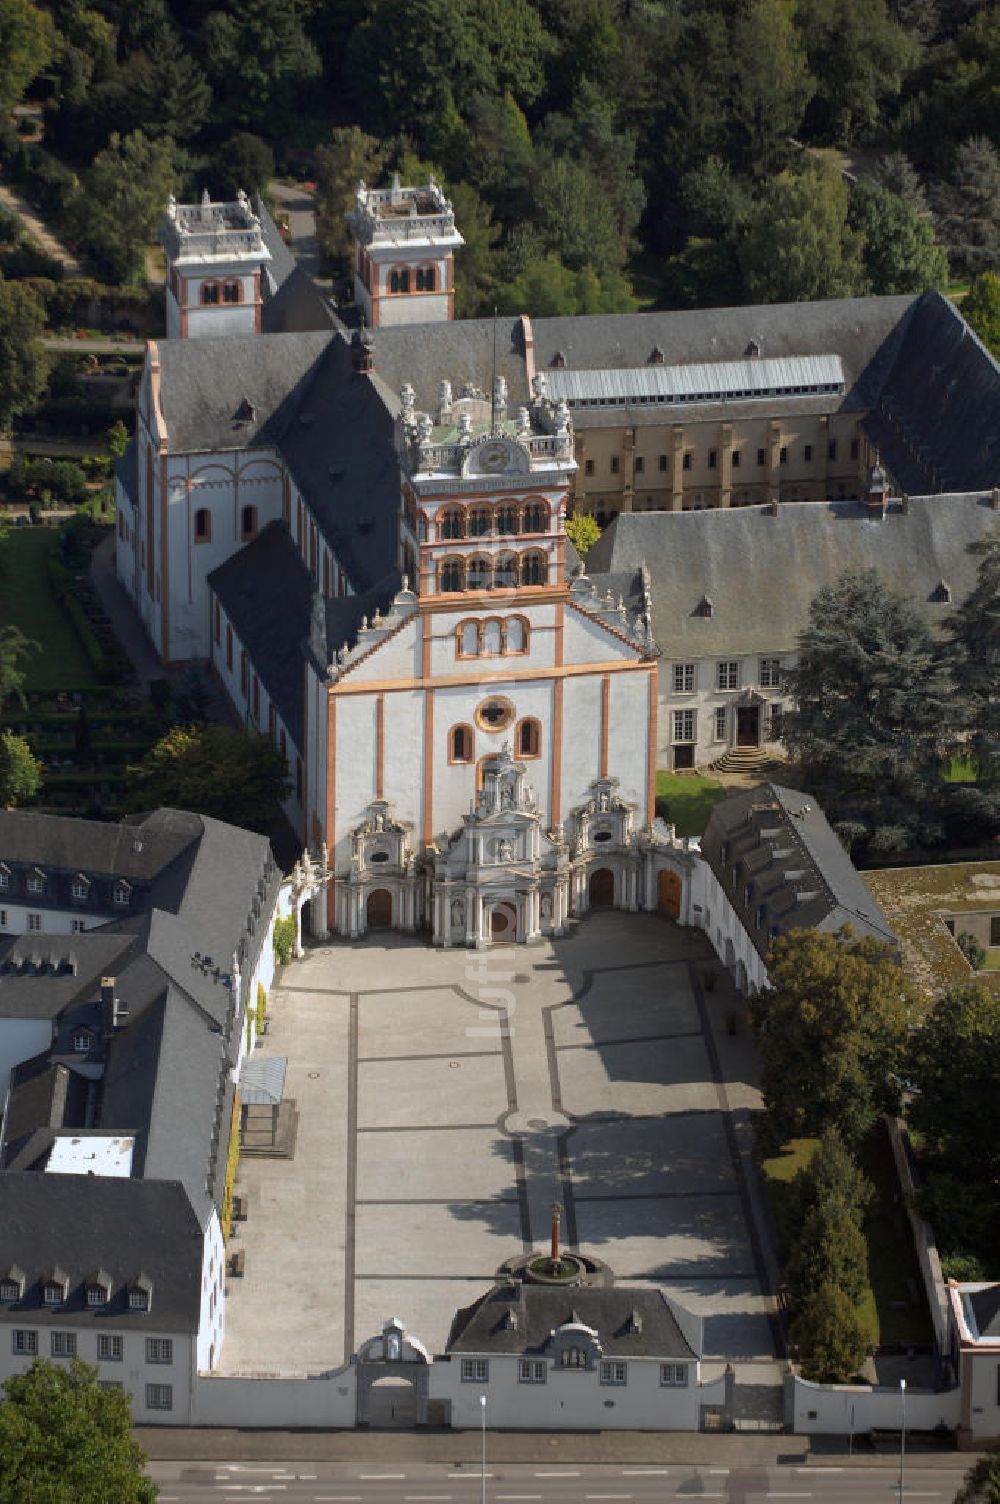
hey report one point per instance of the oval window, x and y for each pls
(379, 856)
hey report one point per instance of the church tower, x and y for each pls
(404, 254)
(215, 256)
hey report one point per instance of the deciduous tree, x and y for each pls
(259, 57)
(828, 1337)
(832, 1031)
(899, 251)
(982, 1481)
(583, 532)
(954, 1069)
(121, 201)
(24, 365)
(772, 83)
(66, 1440)
(27, 44)
(798, 243)
(16, 652)
(239, 776)
(981, 309)
(975, 659)
(349, 157)
(20, 777)
(859, 57)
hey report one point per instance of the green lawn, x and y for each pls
(959, 770)
(686, 802)
(27, 600)
(888, 1308)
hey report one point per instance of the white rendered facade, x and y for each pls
(404, 254)
(215, 257)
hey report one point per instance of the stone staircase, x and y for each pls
(743, 760)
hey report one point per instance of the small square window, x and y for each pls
(530, 1371)
(10, 1290)
(683, 678)
(728, 675)
(138, 1299)
(109, 1349)
(81, 1041)
(159, 1350)
(673, 1375)
(78, 926)
(25, 1343)
(614, 1373)
(770, 673)
(64, 1344)
(80, 889)
(159, 1397)
(34, 922)
(36, 884)
(475, 1370)
(97, 1295)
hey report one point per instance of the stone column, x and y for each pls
(298, 952)
(774, 462)
(676, 462)
(317, 915)
(473, 918)
(725, 464)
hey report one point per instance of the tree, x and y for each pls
(830, 1249)
(27, 44)
(170, 90)
(20, 774)
(570, 214)
(859, 57)
(349, 157)
(953, 1068)
(16, 651)
(239, 776)
(583, 531)
(772, 85)
(121, 201)
(875, 701)
(66, 1440)
(117, 439)
(831, 1031)
(827, 1334)
(899, 251)
(797, 243)
(975, 657)
(969, 208)
(245, 164)
(982, 1481)
(547, 289)
(259, 58)
(972, 950)
(981, 310)
(24, 365)
(476, 263)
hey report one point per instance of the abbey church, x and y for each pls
(361, 526)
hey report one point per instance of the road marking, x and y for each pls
(817, 1469)
(426, 1498)
(519, 1496)
(644, 1472)
(722, 1472)
(607, 1496)
(470, 1474)
(337, 1498)
(381, 1477)
(555, 1475)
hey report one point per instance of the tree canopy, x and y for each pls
(238, 776)
(65, 1440)
(827, 1334)
(24, 365)
(20, 773)
(981, 309)
(981, 1484)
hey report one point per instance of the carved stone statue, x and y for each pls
(458, 913)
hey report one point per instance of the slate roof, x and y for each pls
(43, 1094)
(458, 351)
(936, 420)
(137, 850)
(761, 571)
(266, 590)
(482, 1327)
(799, 874)
(985, 1305)
(43, 975)
(86, 1222)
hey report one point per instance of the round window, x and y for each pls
(495, 714)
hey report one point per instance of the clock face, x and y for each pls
(493, 456)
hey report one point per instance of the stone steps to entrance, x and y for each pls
(743, 760)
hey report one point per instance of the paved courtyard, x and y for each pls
(448, 1098)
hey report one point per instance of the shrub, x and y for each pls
(284, 939)
(261, 1005)
(972, 950)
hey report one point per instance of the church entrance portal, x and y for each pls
(602, 888)
(748, 725)
(503, 924)
(380, 909)
(669, 894)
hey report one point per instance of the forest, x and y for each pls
(601, 155)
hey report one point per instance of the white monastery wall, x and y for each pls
(212, 1317)
(14, 920)
(321, 1403)
(728, 938)
(568, 1400)
(827, 1409)
(628, 747)
(397, 657)
(395, 309)
(581, 739)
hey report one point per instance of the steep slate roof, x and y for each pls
(986, 1309)
(481, 1327)
(936, 421)
(85, 1222)
(137, 850)
(458, 351)
(43, 975)
(800, 875)
(265, 590)
(761, 571)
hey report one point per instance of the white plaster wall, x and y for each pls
(589, 641)
(568, 1400)
(413, 308)
(356, 758)
(397, 657)
(323, 1403)
(20, 1039)
(825, 1409)
(628, 738)
(981, 1370)
(454, 786)
(211, 1321)
(14, 919)
(704, 700)
(133, 1372)
(445, 661)
(721, 923)
(581, 762)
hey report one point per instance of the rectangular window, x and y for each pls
(529, 1371)
(807, 454)
(110, 1384)
(855, 448)
(25, 1343)
(762, 456)
(109, 1349)
(720, 723)
(683, 678)
(683, 725)
(475, 1370)
(159, 1350)
(588, 467)
(831, 449)
(728, 675)
(736, 459)
(4, 880)
(159, 1397)
(713, 459)
(614, 1373)
(64, 1344)
(640, 464)
(10, 1289)
(615, 464)
(663, 461)
(78, 926)
(775, 718)
(686, 462)
(80, 890)
(673, 1375)
(770, 673)
(34, 921)
(36, 884)
(783, 455)
(994, 929)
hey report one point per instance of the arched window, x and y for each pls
(461, 744)
(451, 523)
(232, 292)
(535, 517)
(506, 572)
(479, 574)
(425, 279)
(492, 637)
(479, 522)
(529, 737)
(507, 519)
(210, 292)
(399, 281)
(534, 569)
(517, 635)
(452, 574)
(248, 523)
(469, 639)
(393, 281)
(203, 525)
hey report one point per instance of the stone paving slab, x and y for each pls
(425, 1306)
(395, 1164)
(426, 1022)
(461, 1239)
(669, 1155)
(668, 1238)
(434, 1093)
(642, 1003)
(638, 1078)
(734, 1315)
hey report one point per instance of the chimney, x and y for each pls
(362, 354)
(114, 1013)
(995, 499)
(772, 507)
(556, 1220)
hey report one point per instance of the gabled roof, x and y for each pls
(485, 1327)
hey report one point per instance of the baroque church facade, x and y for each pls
(363, 531)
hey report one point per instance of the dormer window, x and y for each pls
(98, 1289)
(82, 1040)
(54, 1288)
(4, 876)
(122, 895)
(10, 1289)
(573, 1357)
(559, 361)
(36, 881)
(140, 1294)
(80, 888)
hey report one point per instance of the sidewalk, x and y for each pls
(39, 232)
(697, 1449)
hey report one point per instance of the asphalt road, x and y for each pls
(399, 1483)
